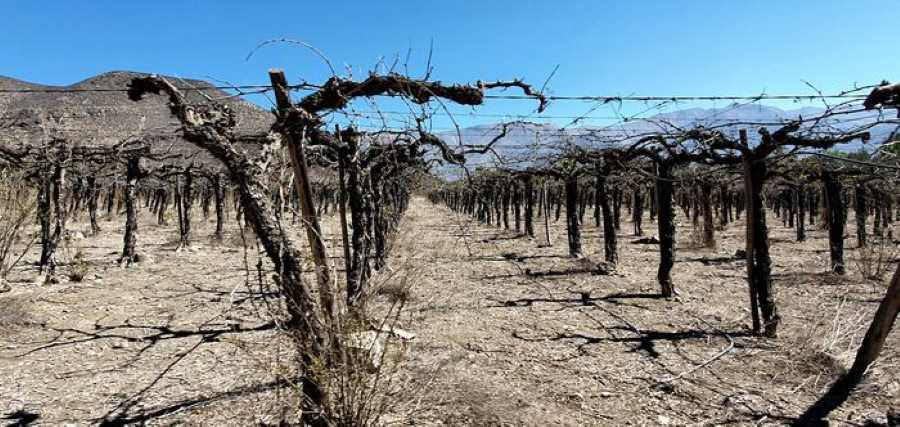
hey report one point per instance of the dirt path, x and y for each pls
(153, 342)
(525, 338)
(507, 333)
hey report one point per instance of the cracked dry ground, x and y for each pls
(507, 333)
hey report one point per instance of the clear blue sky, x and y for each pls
(602, 47)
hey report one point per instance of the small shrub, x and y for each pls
(698, 237)
(398, 291)
(874, 260)
(15, 212)
(78, 268)
(361, 373)
(695, 240)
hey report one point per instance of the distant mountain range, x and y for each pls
(529, 143)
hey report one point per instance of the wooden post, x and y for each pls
(304, 193)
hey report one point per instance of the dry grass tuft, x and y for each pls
(395, 291)
(697, 240)
(826, 349)
(874, 260)
(78, 267)
(478, 408)
(18, 207)
(361, 372)
(14, 314)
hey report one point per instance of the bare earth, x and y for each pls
(507, 333)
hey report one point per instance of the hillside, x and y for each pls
(107, 117)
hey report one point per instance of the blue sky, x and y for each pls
(601, 47)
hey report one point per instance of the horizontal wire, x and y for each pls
(604, 98)
(374, 115)
(584, 133)
(186, 89)
(126, 110)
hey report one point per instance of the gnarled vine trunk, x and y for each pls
(132, 174)
(93, 195)
(637, 213)
(666, 228)
(219, 191)
(609, 228)
(759, 262)
(529, 206)
(572, 230)
(835, 216)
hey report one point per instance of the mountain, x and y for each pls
(31, 112)
(531, 144)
